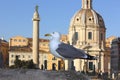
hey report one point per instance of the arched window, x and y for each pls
(89, 35)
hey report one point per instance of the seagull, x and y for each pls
(65, 51)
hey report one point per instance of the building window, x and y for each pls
(17, 56)
(19, 40)
(44, 44)
(12, 56)
(24, 40)
(91, 65)
(75, 38)
(29, 56)
(76, 35)
(54, 58)
(90, 19)
(23, 56)
(15, 40)
(89, 35)
(77, 19)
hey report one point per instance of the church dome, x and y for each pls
(87, 16)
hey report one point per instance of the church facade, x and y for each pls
(87, 32)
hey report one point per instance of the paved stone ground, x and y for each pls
(35, 74)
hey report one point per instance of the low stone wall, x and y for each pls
(35, 74)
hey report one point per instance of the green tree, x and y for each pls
(23, 64)
(17, 62)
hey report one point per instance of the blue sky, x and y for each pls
(16, 16)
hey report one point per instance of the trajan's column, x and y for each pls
(36, 20)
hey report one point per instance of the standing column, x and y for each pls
(36, 20)
(68, 64)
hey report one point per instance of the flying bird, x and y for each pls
(65, 51)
